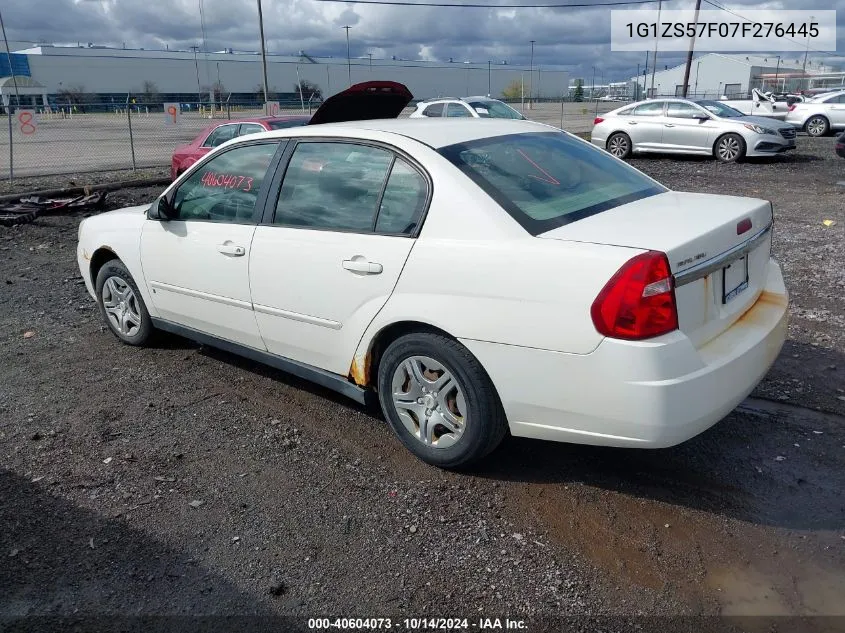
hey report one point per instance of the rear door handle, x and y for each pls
(669, 124)
(632, 122)
(362, 266)
(227, 248)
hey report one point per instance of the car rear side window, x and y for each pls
(681, 110)
(250, 128)
(435, 109)
(283, 125)
(221, 134)
(457, 110)
(403, 201)
(653, 108)
(225, 188)
(333, 185)
(547, 179)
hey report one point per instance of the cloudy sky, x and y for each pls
(574, 37)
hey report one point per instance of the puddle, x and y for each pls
(806, 591)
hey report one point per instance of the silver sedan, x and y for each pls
(819, 115)
(681, 126)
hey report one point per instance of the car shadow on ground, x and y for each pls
(732, 469)
(64, 561)
(776, 464)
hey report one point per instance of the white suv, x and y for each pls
(475, 107)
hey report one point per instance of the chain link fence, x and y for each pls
(94, 136)
(87, 137)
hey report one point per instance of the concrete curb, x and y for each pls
(79, 191)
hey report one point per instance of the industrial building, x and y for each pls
(734, 76)
(108, 74)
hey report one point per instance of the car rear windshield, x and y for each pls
(548, 179)
(281, 125)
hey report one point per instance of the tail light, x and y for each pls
(792, 107)
(597, 120)
(639, 300)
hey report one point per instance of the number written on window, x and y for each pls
(226, 187)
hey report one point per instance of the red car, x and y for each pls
(219, 133)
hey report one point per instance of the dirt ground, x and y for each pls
(183, 480)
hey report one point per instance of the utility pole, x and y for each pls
(645, 74)
(348, 60)
(197, 67)
(804, 68)
(531, 79)
(371, 62)
(593, 85)
(263, 54)
(777, 69)
(691, 47)
(656, 41)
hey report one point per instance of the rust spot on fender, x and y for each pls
(359, 370)
(86, 255)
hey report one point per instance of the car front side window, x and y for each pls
(224, 189)
(333, 185)
(221, 134)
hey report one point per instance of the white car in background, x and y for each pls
(819, 115)
(475, 279)
(474, 107)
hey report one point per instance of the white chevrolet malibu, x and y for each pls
(477, 277)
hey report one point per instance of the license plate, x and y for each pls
(734, 279)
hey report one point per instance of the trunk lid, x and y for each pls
(708, 240)
(364, 101)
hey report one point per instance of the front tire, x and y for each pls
(817, 126)
(439, 400)
(121, 304)
(619, 144)
(730, 148)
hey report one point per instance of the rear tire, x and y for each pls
(121, 304)
(729, 148)
(439, 400)
(619, 144)
(817, 126)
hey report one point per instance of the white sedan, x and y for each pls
(478, 279)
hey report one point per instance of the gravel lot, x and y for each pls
(183, 480)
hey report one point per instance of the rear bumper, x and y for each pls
(647, 394)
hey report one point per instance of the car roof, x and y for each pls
(435, 133)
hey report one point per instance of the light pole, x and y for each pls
(777, 69)
(654, 61)
(197, 67)
(531, 79)
(593, 85)
(697, 69)
(370, 55)
(263, 54)
(489, 83)
(348, 60)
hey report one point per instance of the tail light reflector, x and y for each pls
(639, 300)
(792, 107)
(597, 120)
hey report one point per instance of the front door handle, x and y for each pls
(632, 122)
(227, 248)
(362, 266)
(669, 124)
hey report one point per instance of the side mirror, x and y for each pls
(161, 210)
